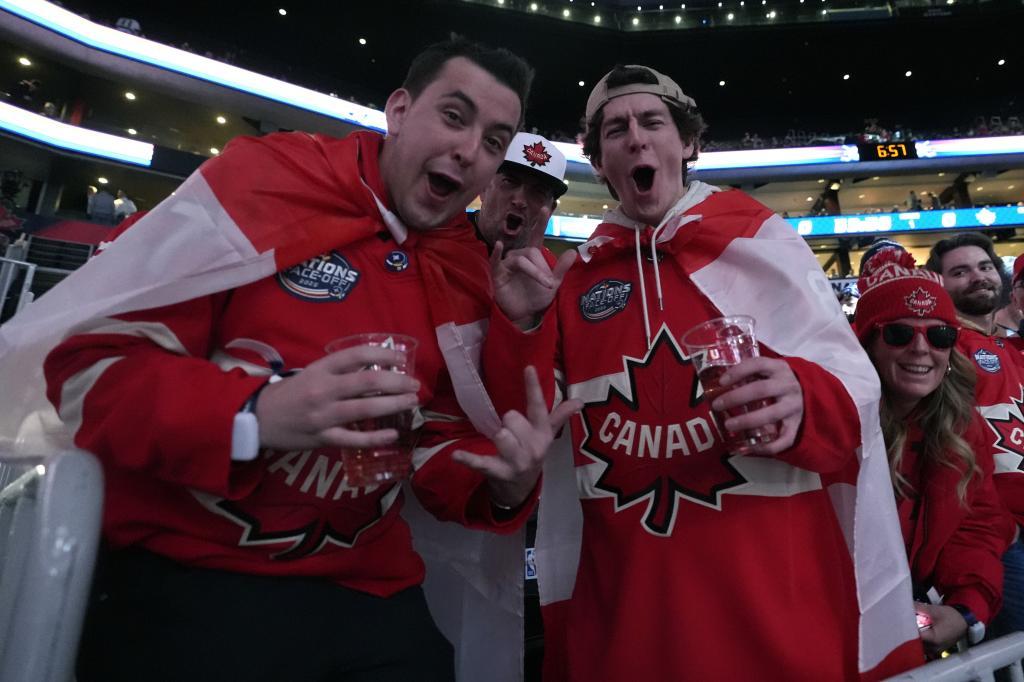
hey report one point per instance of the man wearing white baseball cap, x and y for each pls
(516, 205)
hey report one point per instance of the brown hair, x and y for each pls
(506, 67)
(945, 415)
(688, 120)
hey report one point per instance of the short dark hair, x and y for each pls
(688, 120)
(983, 242)
(942, 247)
(506, 67)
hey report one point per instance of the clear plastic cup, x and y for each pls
(715, 346)
(366, 467)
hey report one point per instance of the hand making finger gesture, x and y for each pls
(522, 443)
(524, 284)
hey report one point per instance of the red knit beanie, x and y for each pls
(893, 287)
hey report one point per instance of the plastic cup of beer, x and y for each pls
(374, 466)
(715, 346)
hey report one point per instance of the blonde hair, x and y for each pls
(944, 416)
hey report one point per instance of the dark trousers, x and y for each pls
(156, 620)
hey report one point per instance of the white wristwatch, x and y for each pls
(975, 628)
(245, 432)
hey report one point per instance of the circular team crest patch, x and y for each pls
(604, 299)
(325, 278)
(987, 360)
(397, 261)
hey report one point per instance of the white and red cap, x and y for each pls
(538, 154)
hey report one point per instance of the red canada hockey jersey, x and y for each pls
(692, 563)
(154, 392)
(999, 394)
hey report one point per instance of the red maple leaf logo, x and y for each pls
(920, 302)
(302, 505)
(535, 154)
(659, 444)
(1009, 430)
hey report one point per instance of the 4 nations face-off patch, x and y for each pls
(326, 278)
(987, 360)
(605, 299)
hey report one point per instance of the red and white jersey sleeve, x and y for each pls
(154, 395)
(999, 395)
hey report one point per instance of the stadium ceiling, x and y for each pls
(777, 77)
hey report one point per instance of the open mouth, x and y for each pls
(643, 177)
(442, 185)
(512, 223)
(915, 369)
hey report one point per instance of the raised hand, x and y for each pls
(310, 409)
(522, 443)
(524, 284)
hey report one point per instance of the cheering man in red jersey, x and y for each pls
(196, 372)
(695, 562)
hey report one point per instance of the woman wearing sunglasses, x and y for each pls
(954, 527)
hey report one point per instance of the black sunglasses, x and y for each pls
(940, 336)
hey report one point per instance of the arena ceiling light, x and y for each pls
(142, 50)
(102, 180)
(24, 61)
(73, 138)
(130, 96)
(139, 49)
(283, 12)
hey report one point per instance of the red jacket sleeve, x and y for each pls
(129, 387)
(447, 489)
(830, 432)
(141, 393)
(508, 351)
(969, 569)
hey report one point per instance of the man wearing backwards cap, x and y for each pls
(516, 205)
(696, 563)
